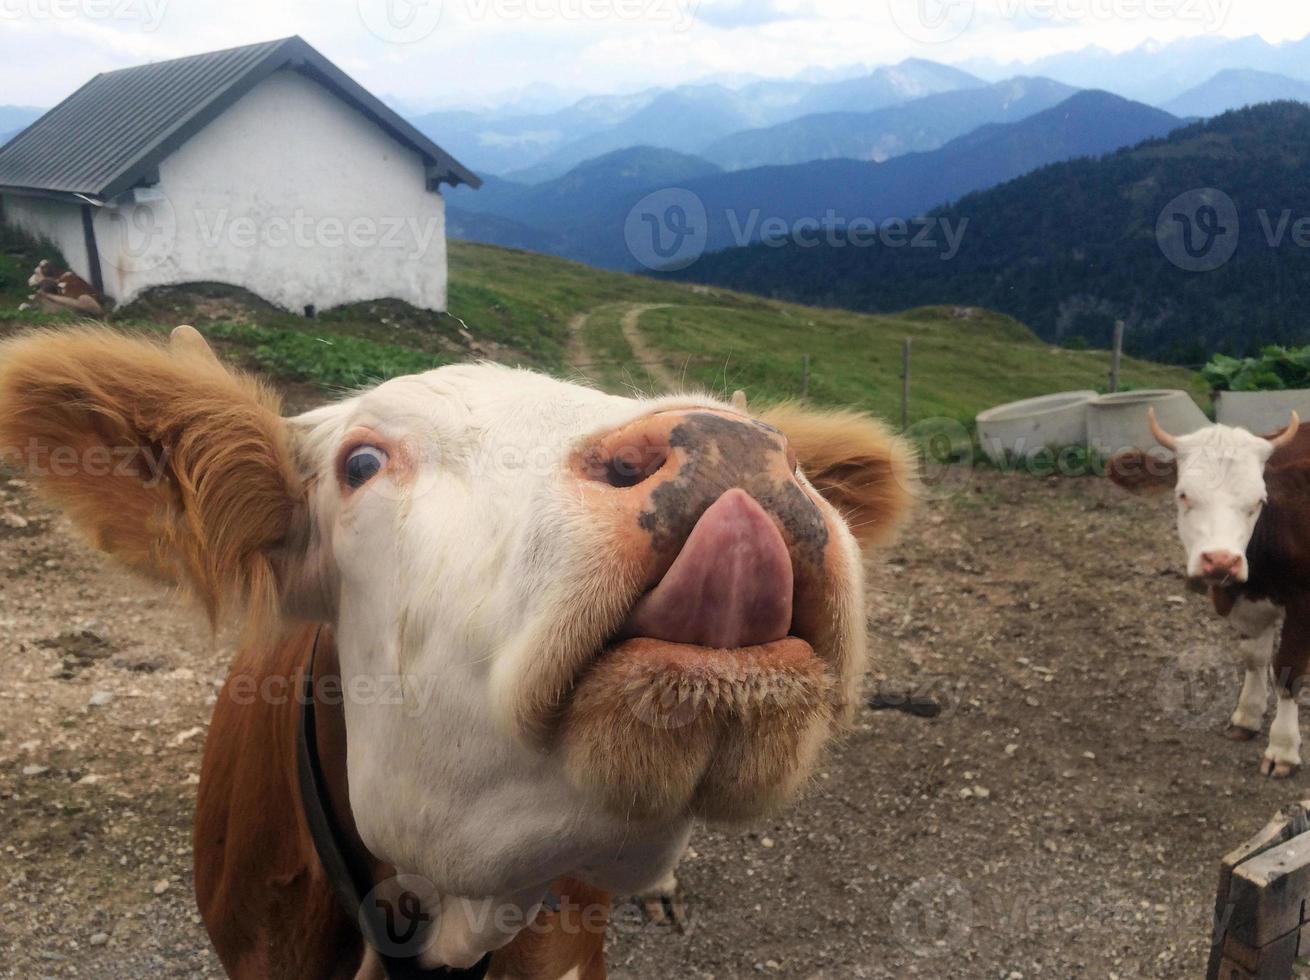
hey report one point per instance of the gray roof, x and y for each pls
(110, 134)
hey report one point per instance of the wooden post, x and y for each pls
(1260, 921)
(1117, 355)
(905, 385)
(805, 375)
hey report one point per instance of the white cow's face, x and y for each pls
(601, 606)
(568, 623)
(1220, 492)
(1217, 475)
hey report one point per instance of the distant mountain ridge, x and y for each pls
(15, 118)
(532, 148)
(1157, 73)
(1237, 88)
(915, 126)
(1075, 246)
(584, 214)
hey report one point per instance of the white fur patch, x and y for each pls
(1220, 492)
(1285, 734)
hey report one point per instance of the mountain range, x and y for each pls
(1075, 246)
(585, 215)
(1154, 72)
(14, 119)
(917, 125)
(1237, 88)
(532, 148)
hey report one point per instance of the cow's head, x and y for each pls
(568, 622)
(1217, 477)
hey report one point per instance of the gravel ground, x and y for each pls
(1063, 817)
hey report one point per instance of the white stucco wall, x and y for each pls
(291, 194)
(53, 221)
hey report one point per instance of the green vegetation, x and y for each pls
(1276, 369)
(1071, 248)
(334, 360)
(18, 257)
(521, 308)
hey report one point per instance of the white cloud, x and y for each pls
(469, 49)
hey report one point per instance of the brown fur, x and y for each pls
(729, 750)
(860, 467)
(1139, 472)
(49, 302)
(263, 894)
(74, 286)
(175, 465)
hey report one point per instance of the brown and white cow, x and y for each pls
(45, 272)
(562, 625)
(1244, 520)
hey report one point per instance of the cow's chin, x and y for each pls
(659, 730)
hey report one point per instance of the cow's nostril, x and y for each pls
(627, 465)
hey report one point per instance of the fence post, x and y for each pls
(905, 385)
(805, 375)
(1116, 355)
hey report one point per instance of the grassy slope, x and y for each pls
(723, 340)
(517, 307)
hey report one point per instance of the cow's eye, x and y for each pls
(1183, 500)
(363, 464)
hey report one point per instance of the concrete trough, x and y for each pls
(1260, 412)
(1118, 422)
(1023, 429)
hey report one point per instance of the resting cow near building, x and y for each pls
(506, 637)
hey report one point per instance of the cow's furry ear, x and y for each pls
(1140, 472)
(167, 460)
(859, 466)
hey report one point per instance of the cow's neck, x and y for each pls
(564, 942)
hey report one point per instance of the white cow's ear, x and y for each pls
(170, 462)
(860, 467)
(1139, 472)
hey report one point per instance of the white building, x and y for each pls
(264, 167)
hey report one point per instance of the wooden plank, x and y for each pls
(1228, 970)
(1272, 962)
(1230, 957)
(1268, 893)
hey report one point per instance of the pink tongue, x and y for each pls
(731, 585)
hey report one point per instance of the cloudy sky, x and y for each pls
(425, 53)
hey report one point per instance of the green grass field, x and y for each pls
(568, 319)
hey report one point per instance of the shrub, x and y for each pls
(1275, 369)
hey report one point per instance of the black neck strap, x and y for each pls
(346, 868)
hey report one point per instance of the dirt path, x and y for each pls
(577, 349)
(642, 352)
(1062, 818)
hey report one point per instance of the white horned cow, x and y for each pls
(530, 632)
(1244, 519)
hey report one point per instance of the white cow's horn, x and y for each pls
(1288, 434)
(739, 400)
(1162, 437)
